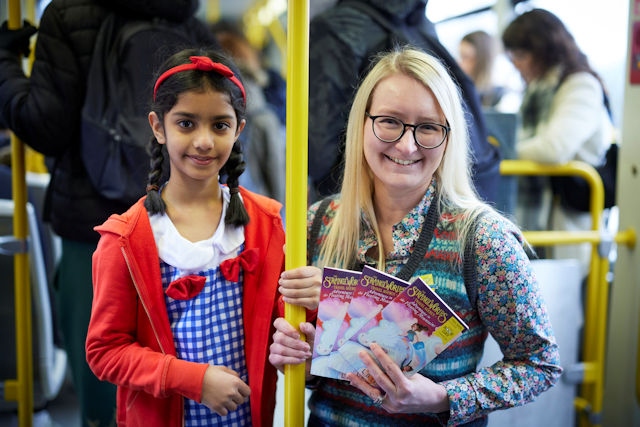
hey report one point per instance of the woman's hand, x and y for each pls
(395, 392)
(223, 390)
(287, 347)
(301, 286)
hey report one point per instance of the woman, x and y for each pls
(564, 114)
(407, 207)
(478, 51)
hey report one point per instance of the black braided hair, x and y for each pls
(236, 214)
(167, 96)
(154, 203)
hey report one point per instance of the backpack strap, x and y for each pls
(315, 228)
(420, 249)
(469, 268)
(469, 272)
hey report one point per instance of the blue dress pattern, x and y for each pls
(209, 329)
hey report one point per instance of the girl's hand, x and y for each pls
(301, 286)
(223, 390)
(287, 348)
(395, 392)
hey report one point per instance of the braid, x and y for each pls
(236, 214)
(154, 202)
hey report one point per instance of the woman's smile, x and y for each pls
(401, 162)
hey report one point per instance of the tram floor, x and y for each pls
(63, 411)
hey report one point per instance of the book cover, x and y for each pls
(335, 295)
(413, 329)
(374, 291)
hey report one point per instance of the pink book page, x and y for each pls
(335, 295)
(374, 291)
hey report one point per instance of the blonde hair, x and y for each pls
(455, 189)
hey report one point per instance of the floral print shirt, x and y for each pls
(509, 306)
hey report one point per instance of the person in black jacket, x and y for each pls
(44, 112)
(343, 39)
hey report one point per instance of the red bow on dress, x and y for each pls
(248, 260)
(186, 287)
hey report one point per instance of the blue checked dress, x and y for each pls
(207, 328)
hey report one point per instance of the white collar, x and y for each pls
(191, 257)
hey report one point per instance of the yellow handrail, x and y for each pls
(589, 401)
(279, 36)
(296, 186)
(577, 168)
(21, 389)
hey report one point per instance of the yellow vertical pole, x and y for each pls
(296, 185)
(24, 350)
(596, 317)
(213, 11)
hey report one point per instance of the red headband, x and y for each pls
(202, 63)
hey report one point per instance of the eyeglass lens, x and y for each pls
(390, 129)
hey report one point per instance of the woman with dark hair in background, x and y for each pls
(564, 116)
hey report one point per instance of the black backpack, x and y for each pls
(115, 130)
(574, 192)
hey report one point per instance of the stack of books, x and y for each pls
(408, 320)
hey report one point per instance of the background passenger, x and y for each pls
(563, 117)
(478, 51)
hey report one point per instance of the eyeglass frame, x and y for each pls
(446, 130)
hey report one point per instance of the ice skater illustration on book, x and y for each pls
(333, 320)
(330, 319)
(423, 346)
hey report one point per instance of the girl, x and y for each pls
(185, 281)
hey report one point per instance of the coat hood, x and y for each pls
(408, 11)
(172, 10)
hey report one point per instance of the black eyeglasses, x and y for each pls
(426, 135)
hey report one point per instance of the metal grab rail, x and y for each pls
(21, 389)
(589, 401)
(577, 168)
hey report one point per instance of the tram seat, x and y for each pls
(560, 282)
(37, 184)
(49, 361)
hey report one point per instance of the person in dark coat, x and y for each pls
(44, 111)
(343, 39)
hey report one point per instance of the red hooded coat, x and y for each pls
(129, 341)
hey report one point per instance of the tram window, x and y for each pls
(606, 49)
